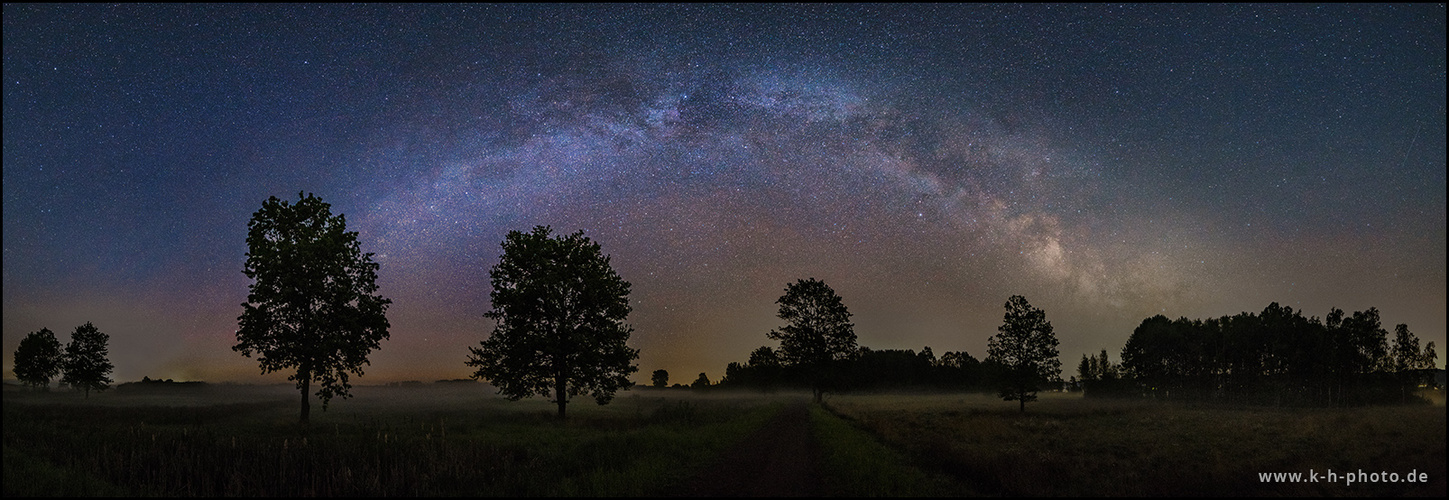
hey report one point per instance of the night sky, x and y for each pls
(1109, 163)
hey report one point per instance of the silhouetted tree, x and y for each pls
(960, 370)
(735, 374)
(313, 306)
(86, 364)
(560, 311)
(957, 359)
(1026, 346)
(764, 356)
(1106, 369)
(1367, 341)
(1099, 376)
(819, 333)
(765, 368)
(38, 359)
(1430, 358)
(1150, 354)
(660, 378)
(1409, 363)
(700, 383)
(1406, 353)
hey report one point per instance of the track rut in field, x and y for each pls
(781, 459)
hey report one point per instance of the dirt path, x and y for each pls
(781, 459)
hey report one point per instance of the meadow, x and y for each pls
(1065, 445)
(462, 439)
(415, 441)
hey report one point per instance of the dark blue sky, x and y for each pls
(927, 161)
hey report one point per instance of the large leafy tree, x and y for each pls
(660, 378)
(38, 358)
(560, 311)
(818, 335)
(86, 363)
(314, 306)
(1026, 346)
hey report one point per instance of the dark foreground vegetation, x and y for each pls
(461, 439)
(1071, 446)
(391, 441)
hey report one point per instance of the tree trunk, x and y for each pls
(306, 402)
(1022, 398)
(559, 396)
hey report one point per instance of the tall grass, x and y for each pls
(855, 464)
(636, 446)
(27, 476)
(469, 442)
(1065, 445)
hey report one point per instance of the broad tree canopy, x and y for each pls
(314, 305)
(560, 311)
(818, 333)
(38, 358)
(86, 362)
(1027, 347)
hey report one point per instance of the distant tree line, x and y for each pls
(149, 384)
(1098, 376)
(871, 370)
(1022, 358)
(1276, 356)
(818, 351)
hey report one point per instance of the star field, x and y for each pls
(927, 161)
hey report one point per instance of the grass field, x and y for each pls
(455, 440)
(386, 441)
(1064, 445)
